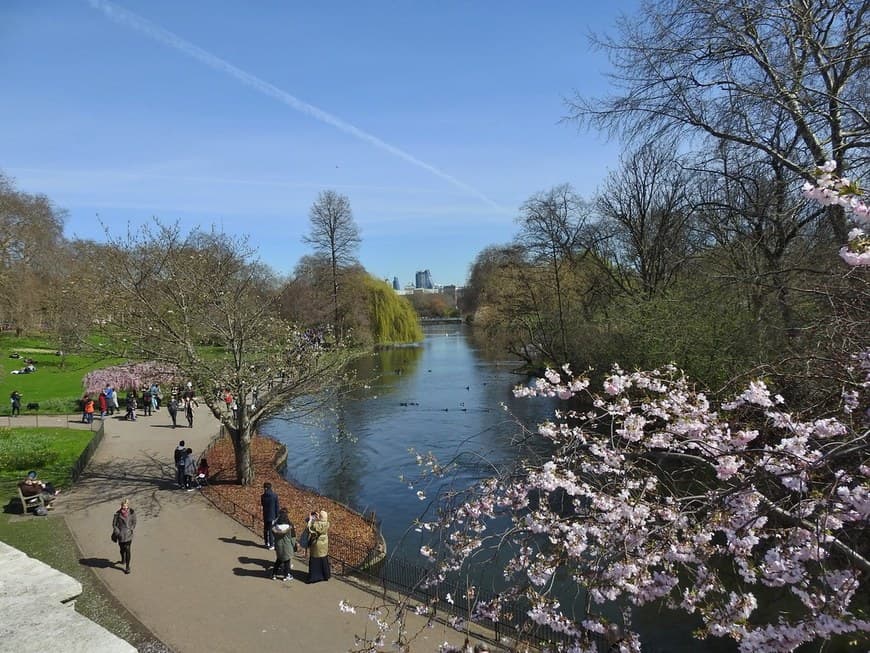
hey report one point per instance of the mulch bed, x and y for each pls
(351, 537)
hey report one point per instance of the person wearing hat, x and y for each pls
(318, 545)
(32, 486)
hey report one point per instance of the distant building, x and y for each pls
(396, 285)
(424, 280)
(451, 291)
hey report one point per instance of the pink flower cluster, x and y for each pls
(131, 376)
(668, 495)
(828, 190)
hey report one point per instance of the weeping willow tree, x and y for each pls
(393, 319)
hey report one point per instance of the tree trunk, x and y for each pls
(242, 447)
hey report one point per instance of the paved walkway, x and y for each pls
(199, 580)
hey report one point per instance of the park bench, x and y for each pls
(28, 503)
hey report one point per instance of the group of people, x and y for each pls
(189, 475)
(29, 366)
(279, 535)
(148, 399)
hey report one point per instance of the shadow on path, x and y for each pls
(251, 573)
(235, 540)
(97, 563)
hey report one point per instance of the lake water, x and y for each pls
(446, 397)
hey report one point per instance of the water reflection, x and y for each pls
(441, 396)
(446, 397)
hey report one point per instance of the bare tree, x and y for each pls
(203, 304)
(550, 229)
(765, 236)
(646, 220)
(334, 233)
(31, 233)
(788, 78)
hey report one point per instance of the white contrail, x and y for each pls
(166, 37)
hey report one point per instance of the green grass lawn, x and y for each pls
(52, 452)
(49, 451)
(57, 383)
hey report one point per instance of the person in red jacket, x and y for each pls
(104, 404)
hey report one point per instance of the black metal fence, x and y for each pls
(454, 600)
(86, 455)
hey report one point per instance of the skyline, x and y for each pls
(437, 123)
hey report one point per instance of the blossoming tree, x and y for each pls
(654, 494)
(200, 303)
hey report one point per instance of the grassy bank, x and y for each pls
(57, 383)
(52, 453)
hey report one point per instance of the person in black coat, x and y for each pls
(269, 501)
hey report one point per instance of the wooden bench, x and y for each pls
(28, 503)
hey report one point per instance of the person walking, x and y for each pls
(104, 404)
(188, 410)
(172, 407)
(131, 406)
(318, 545)
(109, 391)
(285, 545)
(155, 395)
(115, 405)
(15, 398)
(147, 404)
(269, 501)
(180, 454)
(123, 525)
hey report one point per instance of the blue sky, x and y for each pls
(436, 119)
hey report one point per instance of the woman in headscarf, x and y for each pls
(123, 525)
(318, 545)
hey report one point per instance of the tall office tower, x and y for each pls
(424, 279)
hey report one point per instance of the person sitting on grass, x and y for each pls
(32, 486)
